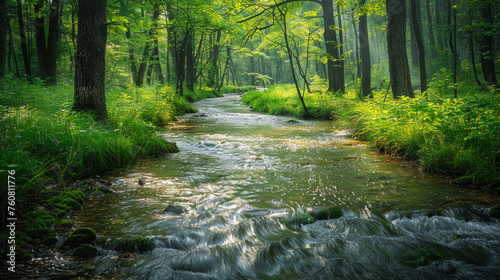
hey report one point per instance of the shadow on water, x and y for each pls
(253, 196)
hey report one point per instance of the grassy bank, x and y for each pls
(455, 136)
(49, 147)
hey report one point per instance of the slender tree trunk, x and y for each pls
(472, 54)
(487, 55)
(90, 62)
(335, 75)
(24, 47)
(252, 71)
(438, 24)
(47, 51)
(399, 70)
(432, 42)
(413, 45)
(420, 47)
(131, 56)
(3, 36)
(365, 55)
(455, 52)
(214, 70)
(289, 51)
(190, 73)
(341, 41)
(356, 46)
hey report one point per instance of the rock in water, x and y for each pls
(141, 182)
(176, 209)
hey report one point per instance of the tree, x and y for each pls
(420, 46)
(24, 45)
(487, 55)
(399, 70)
(90, 65)
(365, 54)
(3, 36)
(335, 75)
(47, 51)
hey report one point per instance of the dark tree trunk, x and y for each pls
(335, 75)
(24, 46)
(252, 71)
(420, 47)
(213, 73)
(438, 25)
(365, 55)
(472, 53)
(3, 36)
(399, 70)
(47, 51)
(487, 55)
(90, 67)
(190, 73)
(413, 41)
(131, 56)
(356, 46)
(341, 40)
(432, 42)
(144, 63)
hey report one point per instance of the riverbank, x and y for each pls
(50, 154)
(455, 136)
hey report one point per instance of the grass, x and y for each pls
(47, 144)
(283, 100)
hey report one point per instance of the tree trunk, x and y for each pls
(47, 51)
(252, 71)
(3, 36)
(432, 42)
(341, 40)
(438, 25)
(365, 55)
(190, 73)
(420, 47)
(213, 72)
(90, 67)
(472, 53)
(399, 70)
(413, 41)
(335, 75)
(487, 55)
(24, 47)
(356, 46)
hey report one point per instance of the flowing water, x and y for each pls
(246, 180)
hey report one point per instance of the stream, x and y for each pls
(246, 180)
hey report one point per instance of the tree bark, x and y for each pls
(420, 47)
(335, 75)
(24, 46)
(487, 55)
(438, 25)
(190, 73)
(3, 36)
(399, 70)
(214, 70)
(365, 55)
(90, 67)
(47, 51)
(432, 42)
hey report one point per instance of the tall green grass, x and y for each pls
(283, 100)
(48, 144)
(460, 137)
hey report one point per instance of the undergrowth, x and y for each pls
(47, 144)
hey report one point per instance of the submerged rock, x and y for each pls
(79, 237)
(326, 213)
(139, 244)
(293, 121)
(85, 251)
(175, 209)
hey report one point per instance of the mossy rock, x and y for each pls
(64, 223)
(325, 214)
(176, 209)
(421, 257)
(139, 244)
(495, 211)
(79, 237)
(302, 218)
(85, 251)
(38, 221)
(335, 212)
